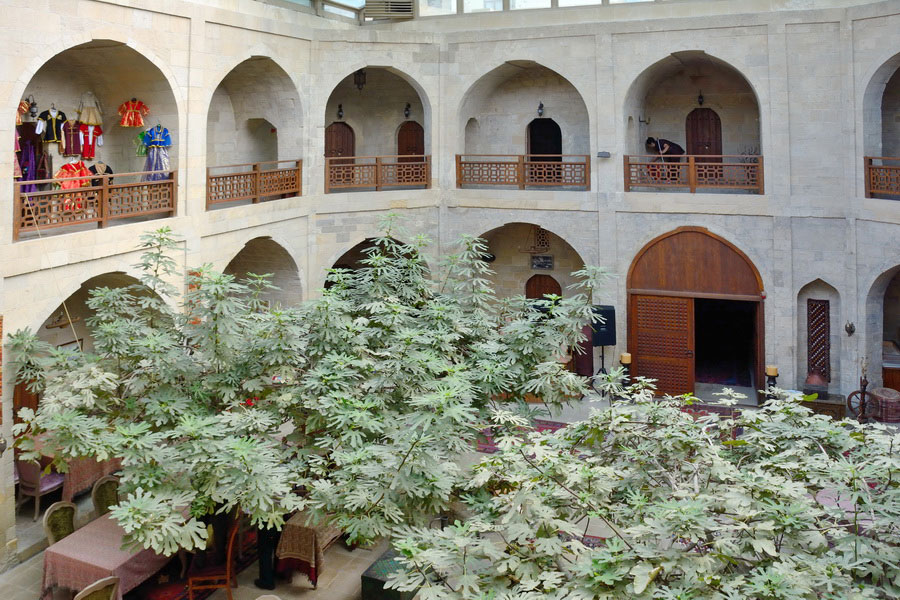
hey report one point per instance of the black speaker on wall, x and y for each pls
(605, 332)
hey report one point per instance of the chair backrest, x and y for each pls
(59, 521)
(229, 551)
(29, 473)
(105, 494)
(102, 589)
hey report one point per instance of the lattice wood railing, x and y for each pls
(722, 171)
(95, 199)
(349, 172)
(253, 181)
(524, 170)
(882, 176)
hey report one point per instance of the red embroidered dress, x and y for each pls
(90, 137)
(133, 113)
(70, 178)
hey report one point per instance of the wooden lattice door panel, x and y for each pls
(661, 340)
(818, 340)
(703, 132)
(410, 141)
(340, 140)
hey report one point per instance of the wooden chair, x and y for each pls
(34, 483)
(102, 589)
(219, 576)
(105, 494)
(59, 521)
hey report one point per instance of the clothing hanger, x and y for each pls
(133, 99)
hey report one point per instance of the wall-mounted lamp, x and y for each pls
(340, 111)
(850, 328)
(700, 98)
(406, 110)
(32, 106)
(3, 445)
(359, 79)
(645, 122)
(541, 109)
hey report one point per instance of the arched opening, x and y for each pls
(497, 126)
(534, 261)
(65, 327)
(707, 107)
(818, 336)
(95, 102)
(695, 315)
(883, 326)
(545, 137)
(254, 131)
(881, 131)
(374, 102)
(262, 255)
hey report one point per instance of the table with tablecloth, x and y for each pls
(302, 547)
(83, 472)
(94, 552)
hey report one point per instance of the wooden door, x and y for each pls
(23, 398)
(339, 140)
(539, 285)
(703, 132)
(661, 341)
(411, 141)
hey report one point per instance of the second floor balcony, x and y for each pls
(882, 177)
(524, 170)
(377, 172)
(722, 172)
(253, 182)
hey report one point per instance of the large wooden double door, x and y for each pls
(662, 341)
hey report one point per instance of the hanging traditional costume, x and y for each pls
(90, 137)
(17, 169)
(21, 111)
(133, 113)
(140, 149)
(72, 176)
(49, 126)
(71, 134)
(89, 110)
(29, 167)
(158, 141)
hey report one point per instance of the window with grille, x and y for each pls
(818, 341)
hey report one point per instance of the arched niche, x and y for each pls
(514, 245)
(883, 330)
(695, 315)
(505, 100)
(818, 337)
(255, 115)
(660, 99)
(881, 110)
(263, 255)
(114, 72)
(376, 111)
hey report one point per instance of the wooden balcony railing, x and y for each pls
(721, 171)
(117, 196)
(348, 172)
(253, 181)
(523, 170)
(882, 176)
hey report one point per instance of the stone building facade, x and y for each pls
(806, 89)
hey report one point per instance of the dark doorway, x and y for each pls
(703, 131)
(544, 137)
(725, 341)
(539, 285)
(410, 141)
(339, 140)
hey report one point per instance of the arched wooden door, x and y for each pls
(703, 132)
(339, 140)
(539, 285)
(410, 141)
(668, 276)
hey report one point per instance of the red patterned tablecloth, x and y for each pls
(303, 546)
(84, 472)
(94, 552)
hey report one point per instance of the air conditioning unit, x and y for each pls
(389, 9)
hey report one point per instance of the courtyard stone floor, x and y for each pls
(340, 579)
